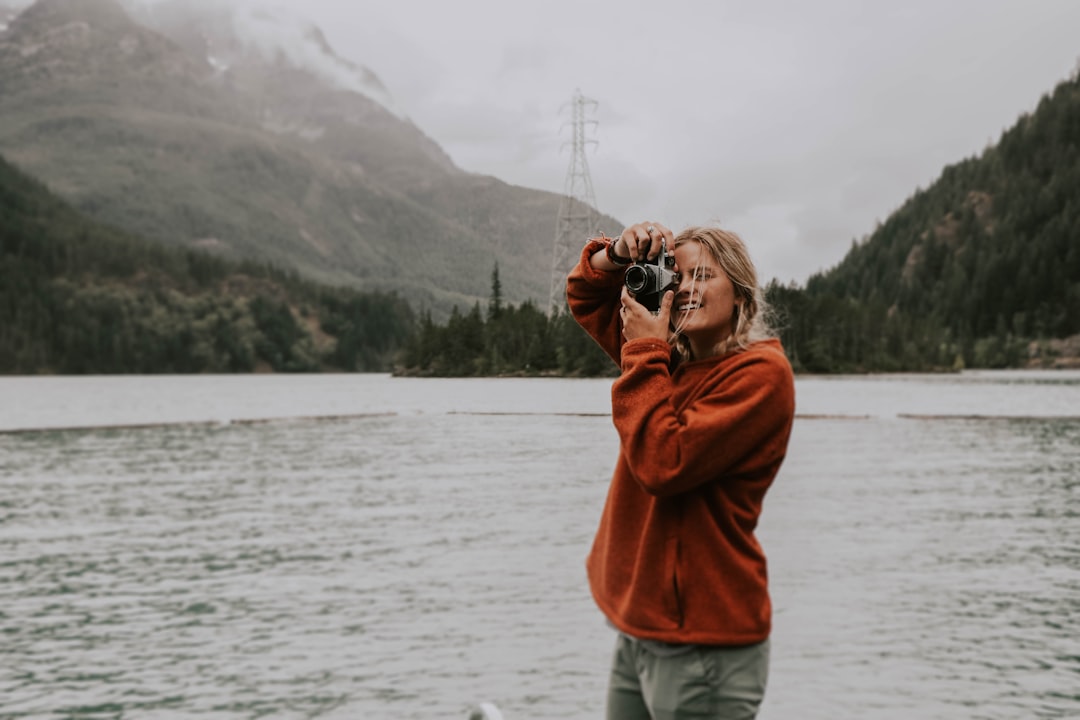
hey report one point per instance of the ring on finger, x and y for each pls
(650, 229)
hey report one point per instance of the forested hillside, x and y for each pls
(79, 297)
(981, 269)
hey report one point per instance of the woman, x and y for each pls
(703, 409)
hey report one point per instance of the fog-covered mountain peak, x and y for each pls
(228, 33)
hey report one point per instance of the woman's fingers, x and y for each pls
(636, 241)
(643, 240)
(659, 234)
(638, 321)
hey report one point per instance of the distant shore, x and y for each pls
(1062, 354)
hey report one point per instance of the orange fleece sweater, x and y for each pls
(675, 558)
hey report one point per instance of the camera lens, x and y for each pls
(637, 278)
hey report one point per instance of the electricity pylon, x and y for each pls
(578, 218)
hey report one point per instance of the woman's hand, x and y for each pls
(637, 242)
(639, 322)
(642, 241)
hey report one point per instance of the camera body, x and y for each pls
(648, 281)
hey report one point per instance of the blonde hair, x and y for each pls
(751, 321)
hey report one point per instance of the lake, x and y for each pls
(361, 546)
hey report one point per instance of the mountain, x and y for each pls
(981, 269)
(246, 135)
(238, 33)
(80, 297)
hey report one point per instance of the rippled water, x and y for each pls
(421, 547)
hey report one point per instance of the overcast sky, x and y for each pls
(797, 124)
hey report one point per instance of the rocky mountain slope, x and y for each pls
(183, 124)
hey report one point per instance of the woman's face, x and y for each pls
(705, 300)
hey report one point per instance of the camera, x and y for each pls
(648, 281)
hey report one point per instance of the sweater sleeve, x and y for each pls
(737, 422)
(593, 298)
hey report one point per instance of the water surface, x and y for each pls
(421, 548)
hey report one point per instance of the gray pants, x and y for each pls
(704, 682)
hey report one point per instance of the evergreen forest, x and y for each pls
(503, 340)
(981, 269)
(78, 297)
